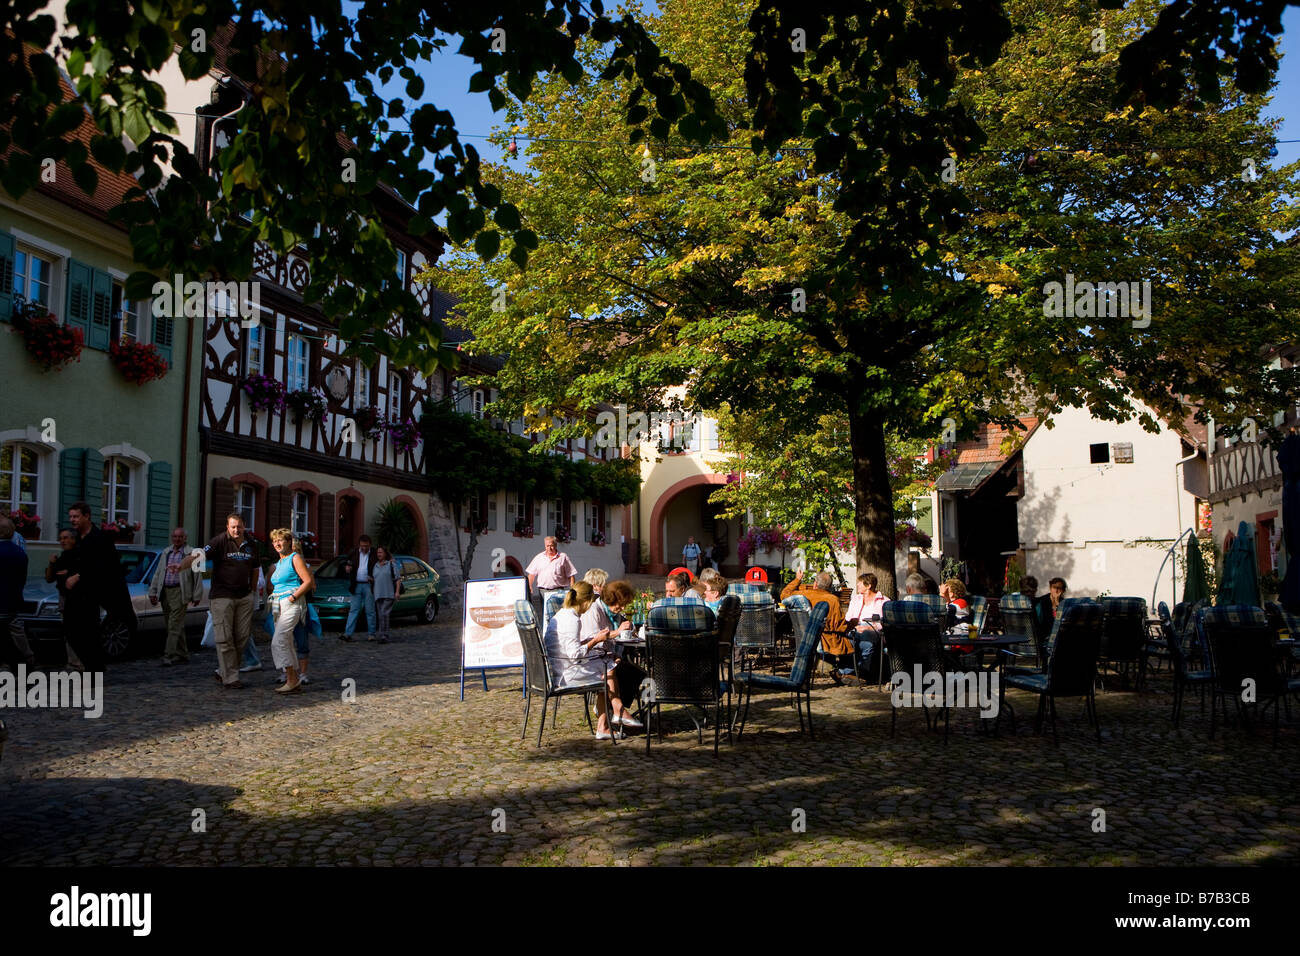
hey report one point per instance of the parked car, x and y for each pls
(421, 590)
(41, 618)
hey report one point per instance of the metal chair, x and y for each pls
(979, 611)
(1071, 667)
(756, 630)
(799, 681)
(683, 663)
(1244, 661)
(1124, 634)
(540, 678)
(1184, 675)
(914, 638)
(1018, 621)
(728, 620)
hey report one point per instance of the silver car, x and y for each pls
(41, 617)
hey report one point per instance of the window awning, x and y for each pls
(967, 477)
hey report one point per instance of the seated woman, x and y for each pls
(579, 658)
(866, 603)
(953, 593)
(606, 613)
(715, 588)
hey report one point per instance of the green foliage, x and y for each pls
(395, 528)
(469, 457)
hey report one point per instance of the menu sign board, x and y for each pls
(490, 638)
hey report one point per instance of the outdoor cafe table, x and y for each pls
(997, 642)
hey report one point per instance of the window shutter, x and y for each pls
(101, 310)
(93, 488)
(164, 332)
(278, 507)
(80, 280)
(158, 514)
(223, 502)
(327, 519)
(72, 479)
(6, 276)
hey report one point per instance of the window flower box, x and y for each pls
(523, 530)
(265, 394)
(405, 435)
(50, 344)
(598, 539)
(138, 363)
(307, 403)
(29, 526)
(123, 531)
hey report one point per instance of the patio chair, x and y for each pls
(1157, 642)
(1071, 666)
(1242, 650)
(914, 636)
(1286, 625)
(756, 630)
(979, 611)
(1018, 621)
(799, 680)
(1056, 624)
(728, 620)
(683, 664)
(1124, 635)
(540, 677)
(1184, 675)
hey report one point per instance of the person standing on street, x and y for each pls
(234, 578)
(388, 588)
(691, 556)
(360, 569)
(175, 590)
(98, 582)
(550, 572)
(291, 582)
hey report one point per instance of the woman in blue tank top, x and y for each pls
(291, 579)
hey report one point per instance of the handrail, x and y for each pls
(1169, 553)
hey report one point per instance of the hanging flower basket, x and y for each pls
(307, 403)
(265, 394)
(50, 344)
(29, 526)
(598, 538)
(405, 435)
(370, 422)
(138, 363)
(909, 536)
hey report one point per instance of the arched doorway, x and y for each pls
(684, 511)
(417, 521)
(351, 520)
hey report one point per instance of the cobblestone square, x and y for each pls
(409, 775)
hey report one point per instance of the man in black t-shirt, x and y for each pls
(234, 582)
(97, 582)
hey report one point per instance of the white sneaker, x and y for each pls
(605, 735)
(627, 720)
(304, 679)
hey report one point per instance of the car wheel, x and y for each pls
(115, 638)
(430, 610)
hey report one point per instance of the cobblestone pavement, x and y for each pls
(408, 774)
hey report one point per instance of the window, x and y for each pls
(297, 355)
(1099, 454)
(20, 479)
(394, 396)
(411, 568)
(1122, 453)
(255, 349)
(401, 268)
(300, 509)
(126, 321)
(32, 277)
(361, 386)
(117, 490)
(246, 505)
(492, 512)
(477, 407)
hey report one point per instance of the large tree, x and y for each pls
(891, 268)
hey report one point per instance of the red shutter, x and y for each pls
(326, 525)
(223, 502)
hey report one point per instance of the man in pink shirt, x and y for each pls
(550, 572)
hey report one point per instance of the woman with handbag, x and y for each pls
(387, 589)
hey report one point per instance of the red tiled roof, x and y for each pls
(986, 446)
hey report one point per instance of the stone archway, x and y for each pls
(662, 559)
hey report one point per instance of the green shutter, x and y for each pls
(6, 276)
(101, 311)
(80, 289)
(158, 515)
(72, 480)
(93, 484)
(164, 331)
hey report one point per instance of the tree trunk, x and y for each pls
(873, 499)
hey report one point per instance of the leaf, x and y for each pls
(480, 81)
(487, 244)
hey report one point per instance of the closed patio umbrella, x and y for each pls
(1239, 583)
(1288, 460)
(1196, 587)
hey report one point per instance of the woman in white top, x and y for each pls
(579, 658)
(865, 604)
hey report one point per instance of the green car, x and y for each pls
(420, 586)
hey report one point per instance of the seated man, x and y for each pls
(835, 643)
(679, 586)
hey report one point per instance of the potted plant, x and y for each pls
(265, 394)
(598, 538)
(639, 609)
(405, 435)
(50, 344)
(29, 526)
(123, 531)
(370, 422)
(523, 529)
(138, 363)
(307, 403)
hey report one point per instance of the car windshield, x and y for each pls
(332, 568)
(135, 564)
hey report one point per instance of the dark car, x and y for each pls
(421, 587)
